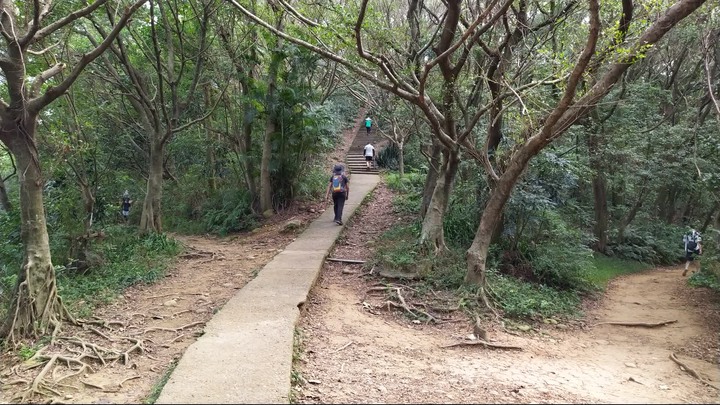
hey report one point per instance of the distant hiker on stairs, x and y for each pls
(369, 153)
(368, 124)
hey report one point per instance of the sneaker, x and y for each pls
(339, 222)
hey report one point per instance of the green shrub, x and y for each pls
(228, 211)
(389, 157)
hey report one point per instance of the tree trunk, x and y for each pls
(270, 105)
(432, 227)
(150, 220)
(625, 222)
(36, 307)
(4, 200)
(491, 217)
(401, 158)
(432, 177)
(708, 218)
(599, 185)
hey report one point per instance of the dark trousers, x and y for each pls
(368, 129)
(338, 204)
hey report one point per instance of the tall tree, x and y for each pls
(25, 28)
(161, 83)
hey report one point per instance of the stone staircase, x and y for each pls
(355, 161)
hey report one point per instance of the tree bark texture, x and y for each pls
(36, 307)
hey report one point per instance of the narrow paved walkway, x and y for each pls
(245, 354)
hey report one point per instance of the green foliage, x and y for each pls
(228, 211)
(709, 274)
(26, 352)
(409, 191)
(654, 242)
(129, 258)
(11, 252)
(389, 157)
(525, 300)
(607, 268)
(398, 249)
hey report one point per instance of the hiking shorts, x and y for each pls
(368, 158)
(689, 255)
(125, 213)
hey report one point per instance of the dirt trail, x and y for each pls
(355, 355)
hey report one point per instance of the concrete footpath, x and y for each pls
(245, 354)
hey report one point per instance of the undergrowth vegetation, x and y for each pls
(127, 259)
(542, 270)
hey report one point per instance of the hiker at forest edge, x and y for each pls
(693, 246)
(368, 124)
(340, 187)
(369, 153)
(125, 205)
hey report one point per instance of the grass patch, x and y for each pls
(607, 268)
(127, 259)
(157, 388)
(296, 377)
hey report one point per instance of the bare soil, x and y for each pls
(356, 349)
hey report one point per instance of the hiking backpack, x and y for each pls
(691, 242)
(338, 186)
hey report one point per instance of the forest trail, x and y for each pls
(392, 362)
(354, 352)
(357, 353)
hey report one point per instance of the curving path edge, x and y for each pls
(245, 353)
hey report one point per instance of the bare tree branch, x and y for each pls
(53, 93)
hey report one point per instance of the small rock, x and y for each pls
(631, 365)
(251, 257)
(170, 303)
(312, 210)
(227, 285)
(316, 382)
(381, 388)
(524, 328)
(68, 396)
(561, 326)
(415, 321)
(268, 213)
(664, 387)
(471, 337)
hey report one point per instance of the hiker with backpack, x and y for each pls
(369, 153)
(340, 187)
(693, 246)
(125, 204)
(368, 124)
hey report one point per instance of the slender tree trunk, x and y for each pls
(401, 157)
(150, 220)
(709, 217)
(627, 220)
(4, 199)
(432, 227)
(600, 229)
(36, 306)
(432, 176)
(270, 126)
(210, 146)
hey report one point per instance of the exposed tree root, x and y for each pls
(692, 372)
(483, 343)
(639, 324)
(190, 325)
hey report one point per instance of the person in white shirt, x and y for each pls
(369, 153)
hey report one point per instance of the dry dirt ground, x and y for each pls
(354, 350)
